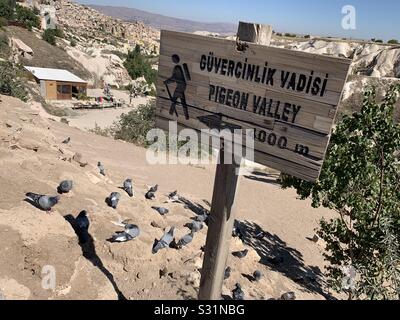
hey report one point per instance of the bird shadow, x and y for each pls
(89, 252)
(196, 208)
(269, 178)
(277, 255)
(248, 277)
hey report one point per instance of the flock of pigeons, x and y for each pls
(132, 231)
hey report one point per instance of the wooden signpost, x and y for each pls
(287, 100)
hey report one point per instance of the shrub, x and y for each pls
(379, 41)
(393, 41)
(50, 35)
(73, 43)
(133, 126)
(360, 181)
(27, 17)
(137, 66)
(7, 9)
(10, 85)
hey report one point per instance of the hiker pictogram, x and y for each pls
(180, 76)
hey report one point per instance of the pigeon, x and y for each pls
(82, 226)
(165, 241)
(227, 273)
(185, 240)
(43, 202)
(65, 186)
(237, 293)
(113, 199)
(237, 232)
(288, 296)
(149, 195)
(240, 254)
(101, 168)
(260, 235)
(131, 232)
(257, 275)
(202, 217)
(128, 188)
(173, 197)
(195, 226)
(66, 141)
(154, 189)
(161, 210)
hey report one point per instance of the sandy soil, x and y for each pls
(36, 161)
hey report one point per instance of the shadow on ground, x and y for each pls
(89, 252)
(276, 254)
(270, 178)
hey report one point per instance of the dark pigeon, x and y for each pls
(43, 202)
(154, 189)
(227, 273)
(131, 232)
(288, 296)
(240, 254)
(101, 168)
(237, 293)
(161, 210)
(113, 199)
(275, 260)
(257, 275)
(237, 232)
(66, 141)
(128, 188)
(82, 227)
(149, 195)
(202, 217)
(185, 240)
(165, 241)
(65, 186)
(173, 197)
(195, 226)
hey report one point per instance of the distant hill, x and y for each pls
(163, 22)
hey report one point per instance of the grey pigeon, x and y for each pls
(185, 240)
(257, 275)
(202, 217)
(128, 187)
(131, 232)
(227, 273)
(240, 254)
(288, 296)
(149, 195)
(165, 241)
(82, 227)
(237, 293)
(195, 226)
(161, 210)
(43, 202)
(65, 186)
(66, 141)
(113, 199)
(101, 168)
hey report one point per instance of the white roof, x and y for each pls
(54, 75)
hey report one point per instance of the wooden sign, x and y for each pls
(288, 99)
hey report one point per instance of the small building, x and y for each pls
(58, 84)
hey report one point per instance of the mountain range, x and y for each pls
(164, 22)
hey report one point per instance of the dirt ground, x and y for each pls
(33, 159)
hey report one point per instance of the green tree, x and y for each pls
(7, 9)
(393, 41)
(360, 180)
(10, 83)
(137, 66)
(27, 17)
(49, 35)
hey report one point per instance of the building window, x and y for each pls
(64, 89)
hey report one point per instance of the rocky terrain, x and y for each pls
(32, 240)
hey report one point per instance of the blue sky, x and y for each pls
(374, 19)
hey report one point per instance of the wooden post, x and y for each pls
(222, 215)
